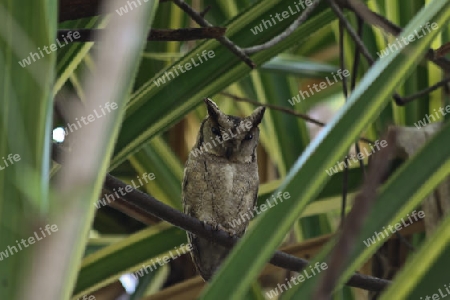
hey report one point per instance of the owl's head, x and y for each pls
(228, 136)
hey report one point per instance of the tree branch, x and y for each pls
(164, 212)
(193, 225)
(375, 19)
(285, 110)
(364, 201)
(182, 34)
(198, 18)
(300, 20)
(358, 42)
(78, 9)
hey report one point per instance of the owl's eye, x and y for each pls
(249, 136)
(215, 130)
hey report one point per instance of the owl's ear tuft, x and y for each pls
(213, 109)
(257, 115)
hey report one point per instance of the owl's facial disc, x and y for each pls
(229, 136)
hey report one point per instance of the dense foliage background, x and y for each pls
(95, 108)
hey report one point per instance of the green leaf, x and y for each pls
(143, 252)
(293, 65)
(308, 175)
(154, 108)
(156, 157)
(25, 119)
(427, 265)
(399, 196)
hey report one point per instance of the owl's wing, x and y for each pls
(183, 187)
(255, 198)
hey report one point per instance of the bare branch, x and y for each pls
(198, 18)
(152, 206)
(375, 19)
(182, 34)
(302, 18)
(426, 91)
(78, 9)
(361, 208)
(193, 225)
(358, 42)
(282, 109)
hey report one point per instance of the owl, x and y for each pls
(221, 181)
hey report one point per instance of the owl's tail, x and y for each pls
(207, 256)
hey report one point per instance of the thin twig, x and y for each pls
(182, 34)
(361, 10)
(375, 19)
(275, 107)
(152, 206)
(193, 225)
(205, 11)
(426, 91)
(79, 9)
(443, 50)
(361, 208)
(358, 42)
(285, 110)
(356, 63)
(305, 14)
(405, 241)
(396, 31)
(223, 40)
(353, 84)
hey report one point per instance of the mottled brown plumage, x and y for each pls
(221, 180)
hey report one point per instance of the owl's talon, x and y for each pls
(207, 224)
(221, 228)
(233, 234)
